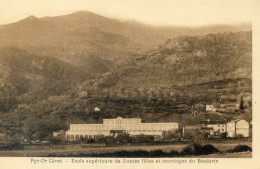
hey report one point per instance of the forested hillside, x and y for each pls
(56, 70)
(168, 83)
(188, 60)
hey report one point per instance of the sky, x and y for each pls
(154, 12)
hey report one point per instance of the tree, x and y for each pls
(241, 106)
(200, 107)
(143, 138)
(124, 138)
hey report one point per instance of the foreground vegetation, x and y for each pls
(181, 150)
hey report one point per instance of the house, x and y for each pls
(55, 134)
(96, 109)
(217, 128)
(213, 128)
(210, 108)
(191, 128)
(228, 107)
(59, 133)
(238, 128)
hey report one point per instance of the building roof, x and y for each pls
(217, 122)
(192, 126)
(123, 118)
(236, 120)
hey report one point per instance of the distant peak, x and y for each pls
(85, 13)
(31, 17)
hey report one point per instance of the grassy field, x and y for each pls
(68, 150)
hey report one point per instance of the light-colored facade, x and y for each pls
(59, 133)
(110, 127)
(55, 134)
(217, 128)
(210, 108)
(238, 128)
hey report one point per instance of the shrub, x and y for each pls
(173, 153)
(209, 149)
(241, 148)
(158, 153)
(91, 140)
(110, 141)
(124, 138)
(170, 135)
(192, 149)
(143, 138)
(197, 149)
(13, 145)
(54, 140)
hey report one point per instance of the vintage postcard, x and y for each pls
(123, 84)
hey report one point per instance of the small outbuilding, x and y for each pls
(217, 128)
(210, 108)
(238, 128)
(96, 109)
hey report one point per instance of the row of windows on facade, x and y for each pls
(122, 127)
(132, 131)
(120, 122)
(77, 136)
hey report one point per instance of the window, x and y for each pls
(68, 137)
(72, 137)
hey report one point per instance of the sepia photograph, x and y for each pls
(126, 79)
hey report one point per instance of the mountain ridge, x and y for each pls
(56, 70)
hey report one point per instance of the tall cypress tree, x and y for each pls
(241, 106)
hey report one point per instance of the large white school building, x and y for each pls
(112, 127)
